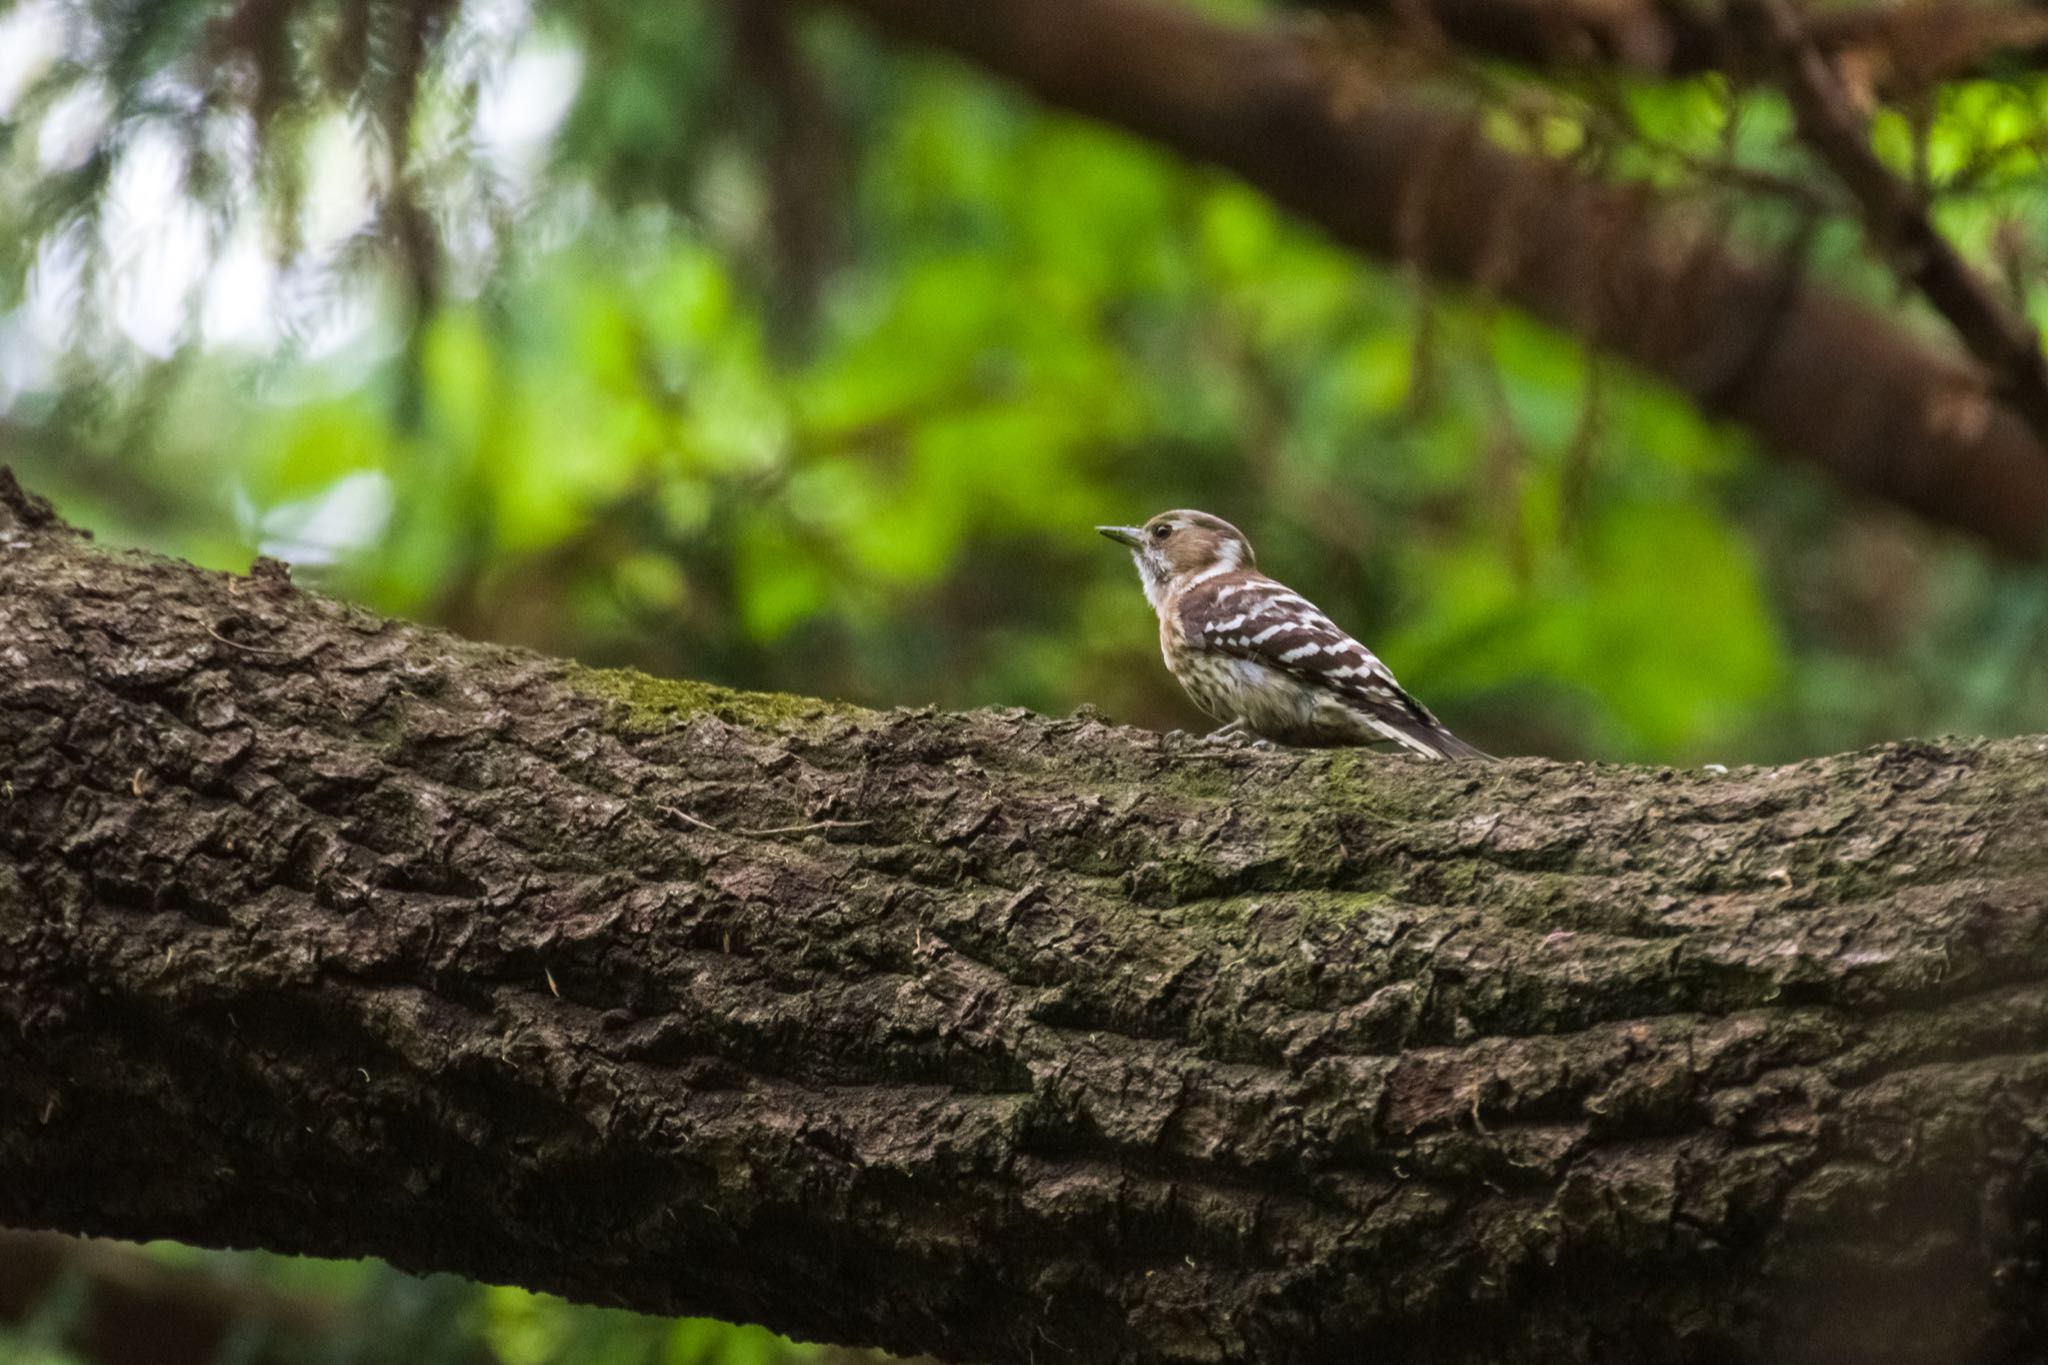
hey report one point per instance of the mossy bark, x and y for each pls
(1002, 1038)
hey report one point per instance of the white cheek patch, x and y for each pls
(1153, 583)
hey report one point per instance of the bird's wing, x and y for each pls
(1250, 616)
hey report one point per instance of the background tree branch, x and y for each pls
(1905, 47)
(1895, 215)
(1815, 376)
(1017, 1039)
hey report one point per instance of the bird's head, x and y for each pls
(1175, 547)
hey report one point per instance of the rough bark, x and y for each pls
(1816, 376)
(1003, 1038)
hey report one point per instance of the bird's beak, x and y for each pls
(1124, 535)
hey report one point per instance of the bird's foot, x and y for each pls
(1236, 736)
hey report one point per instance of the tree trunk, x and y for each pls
(1002, 1038)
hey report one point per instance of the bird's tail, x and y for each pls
(1450, 746)
(1434, 741)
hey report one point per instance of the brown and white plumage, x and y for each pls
(1255, 654)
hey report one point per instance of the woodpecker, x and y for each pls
(1260, 657)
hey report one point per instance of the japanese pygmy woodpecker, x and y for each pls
(1260, 657)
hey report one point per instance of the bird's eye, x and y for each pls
(1161, 532)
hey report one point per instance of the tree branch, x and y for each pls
(1049, 1041)
(1816, 377)
(1895, 215)
(1899, 46)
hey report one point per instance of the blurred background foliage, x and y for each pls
(67, 1302)
(717, 340)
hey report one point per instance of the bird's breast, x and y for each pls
(1229, 688)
